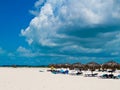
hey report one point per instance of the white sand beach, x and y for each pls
(33, 79)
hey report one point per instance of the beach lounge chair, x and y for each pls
(63, 71)
(87, 75)
(55, 71)
(41, 71)
(79, 73)
(104, 76)
(73, 72)
(66, 72)
(91, 75)
(95, 74)
(108, 76)
(118, 76)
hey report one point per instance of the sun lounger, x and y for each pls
(41, 71)
(65, 72)
(91, 75)
(88, 75)
(118, 76)
(104, 76)
(79, 73)
(60, 71)
(55, 71)
(74, 72)
(108, 76)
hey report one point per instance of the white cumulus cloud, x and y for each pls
(54, 16)
(23, 52)
(73, 26)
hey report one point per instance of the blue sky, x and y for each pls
(51, 31)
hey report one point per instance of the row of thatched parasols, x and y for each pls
(91, 66)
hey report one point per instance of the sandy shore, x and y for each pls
(33, 79)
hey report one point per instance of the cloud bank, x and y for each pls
(82, 28)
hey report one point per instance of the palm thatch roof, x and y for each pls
(111, 65)
(78, 65)
(92, 65)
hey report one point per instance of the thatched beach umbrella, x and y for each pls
(51, 65)
(58, 66)
(92, 66)
(78, 66)
(55, 65)
(119, 67)
(66, 65)
(111, 65)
